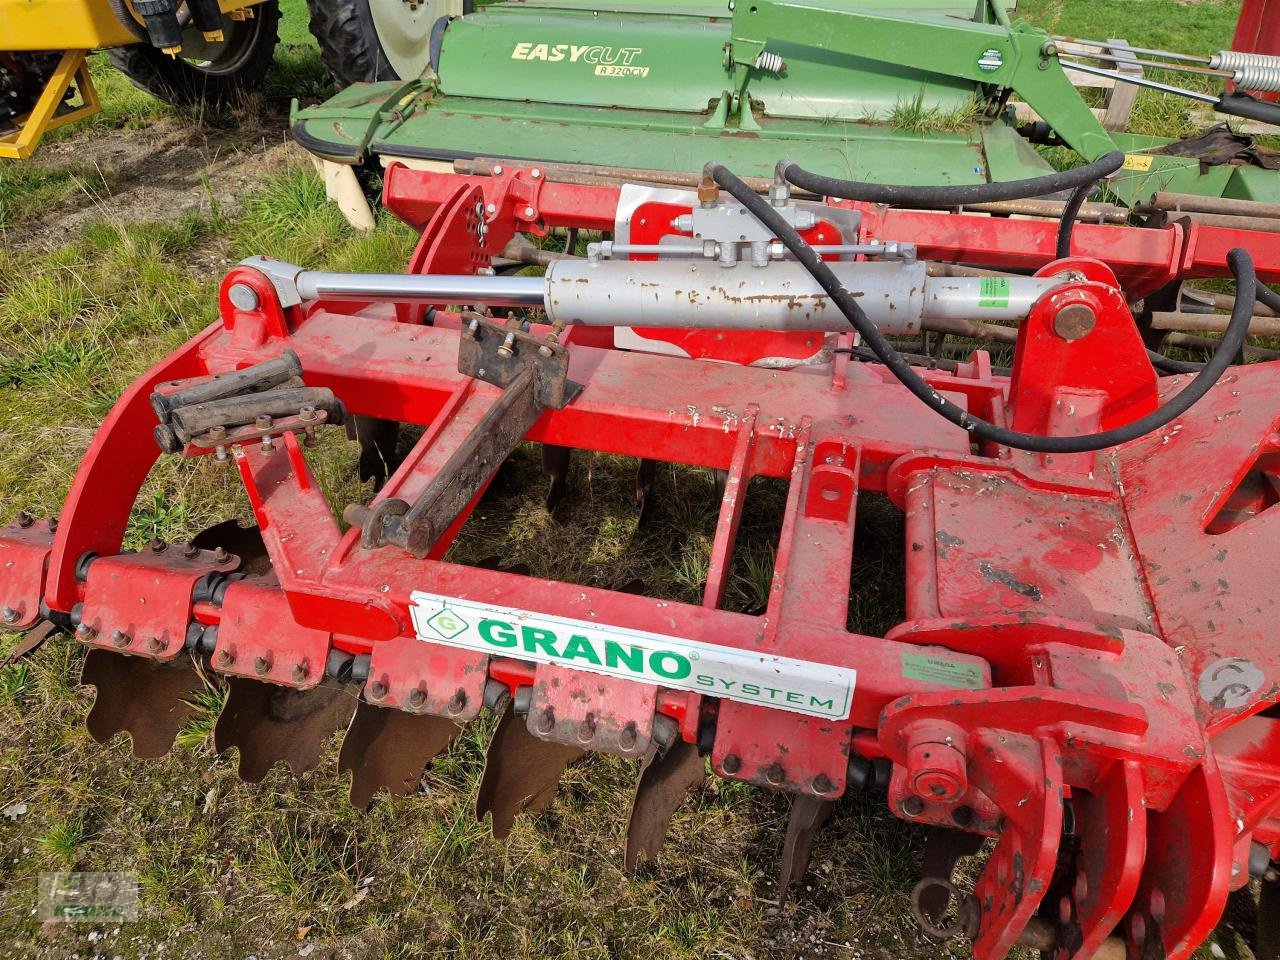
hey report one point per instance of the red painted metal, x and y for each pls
(1087, 634)
(28, 544)
(141, 603)
(1258, 31)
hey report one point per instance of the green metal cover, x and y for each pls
(649, 85)
(669, 59)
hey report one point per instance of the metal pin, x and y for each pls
(120, 638)
(508, 346)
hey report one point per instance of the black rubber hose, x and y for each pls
(955, 195)
(1068, 222)
(127, 20)
(1169, 365)
(1268, 297)
(1246, 293)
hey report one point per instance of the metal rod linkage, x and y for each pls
(899, 296)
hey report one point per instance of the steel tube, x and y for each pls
(1148, 51)
(420, 288)
(1188, 340)
(1185, 202)
(1141, 82)
(782, 296)
(898, 296)
(1212, 322)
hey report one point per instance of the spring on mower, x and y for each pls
(1253, 71)
(770, 62)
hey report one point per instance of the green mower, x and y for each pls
(917, 92)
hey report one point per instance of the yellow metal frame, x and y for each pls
(44, 116)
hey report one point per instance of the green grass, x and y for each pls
(1200, 27)
(914, 116)
(238, 869)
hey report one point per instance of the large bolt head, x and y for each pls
(1074, 322)
(243, 296)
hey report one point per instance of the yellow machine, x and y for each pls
(183, 51)
(189, 51)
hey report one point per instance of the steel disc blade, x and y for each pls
(32, 642)
(378, 439)
(555, 463)
(245, 542)
(268, 723)
(645, 475)
(1266, 937)
(808, 814)
(942, 849)
(520, 773)
(665, 781)
(146, 699)
(386, 748)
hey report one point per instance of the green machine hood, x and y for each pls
(652, 85)
(912, 92)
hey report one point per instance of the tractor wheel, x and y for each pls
(214, 74)
(363, 41)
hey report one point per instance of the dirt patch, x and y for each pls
(163, 171)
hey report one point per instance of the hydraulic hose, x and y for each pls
(959, 195)
(1067, 223)
(121, 9)
(1247, 292)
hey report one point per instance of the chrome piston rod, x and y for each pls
(897, 296)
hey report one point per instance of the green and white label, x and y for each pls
(798, 686)
(991, 60)
(939, 670)
(993, 292)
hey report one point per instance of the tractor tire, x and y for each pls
(364, 41)
(234, 67)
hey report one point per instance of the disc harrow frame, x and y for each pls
(1086, 650)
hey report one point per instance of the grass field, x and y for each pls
(99, 278)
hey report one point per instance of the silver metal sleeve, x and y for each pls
(782, 296)
(422, 288)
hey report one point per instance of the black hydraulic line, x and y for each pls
(958, 195)
(1247, 291)
(1068, 222)
(1267, 297)
(127, 20)
(1169, 365)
